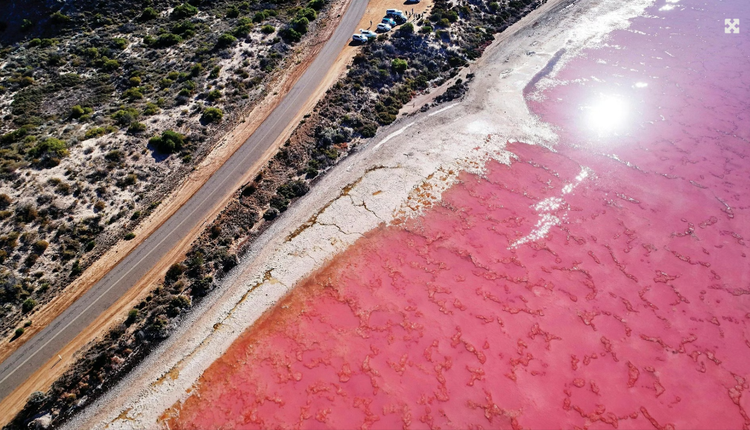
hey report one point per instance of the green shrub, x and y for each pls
(40, 246)
(108, 64)
(299, 24)
(26, 81)
(133, 94)
(233, 12)
(316, 4)
(174, 272)
(213, 95)
(19, 331)
(135, 81)
(307, 13)
(51, 147)
(148, 14)
(26, 25)
(125, 116)
(279, 203)
(215, 72)
(136, 127)
(59, 18)
(78, 111)
(399, 65)
(268, 29)
(168, 142)
(180, 302)
(212, 114)
(225, 40)
(196, 69)
(132, 316)
(426, 29)
(28, 305)
(94, 132)
(186, 29)
(120, 43)
(151, 109)
(293, 189)
(166, 40)
(184, 10)
(259, 17)
(406, 29)
(129, 236)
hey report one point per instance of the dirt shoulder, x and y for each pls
(223, 150)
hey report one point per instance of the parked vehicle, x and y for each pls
(390, 12)
(383, 28)
(359, 38)
(368, 34)
(412, 1)
(398, 16)
(389, 21)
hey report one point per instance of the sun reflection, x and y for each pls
(607, 114)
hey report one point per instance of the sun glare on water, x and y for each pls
(607, 114)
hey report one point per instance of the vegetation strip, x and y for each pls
(104, 115)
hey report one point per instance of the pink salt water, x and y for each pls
(605, 284)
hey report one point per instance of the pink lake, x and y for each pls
(604, 284)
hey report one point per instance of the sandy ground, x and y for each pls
(402, 170)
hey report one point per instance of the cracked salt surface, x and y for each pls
(408, 173)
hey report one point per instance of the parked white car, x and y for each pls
(384, 27)
(390, 12)
(368, 34)
(359, 38)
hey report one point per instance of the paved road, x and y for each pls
(46, 344)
